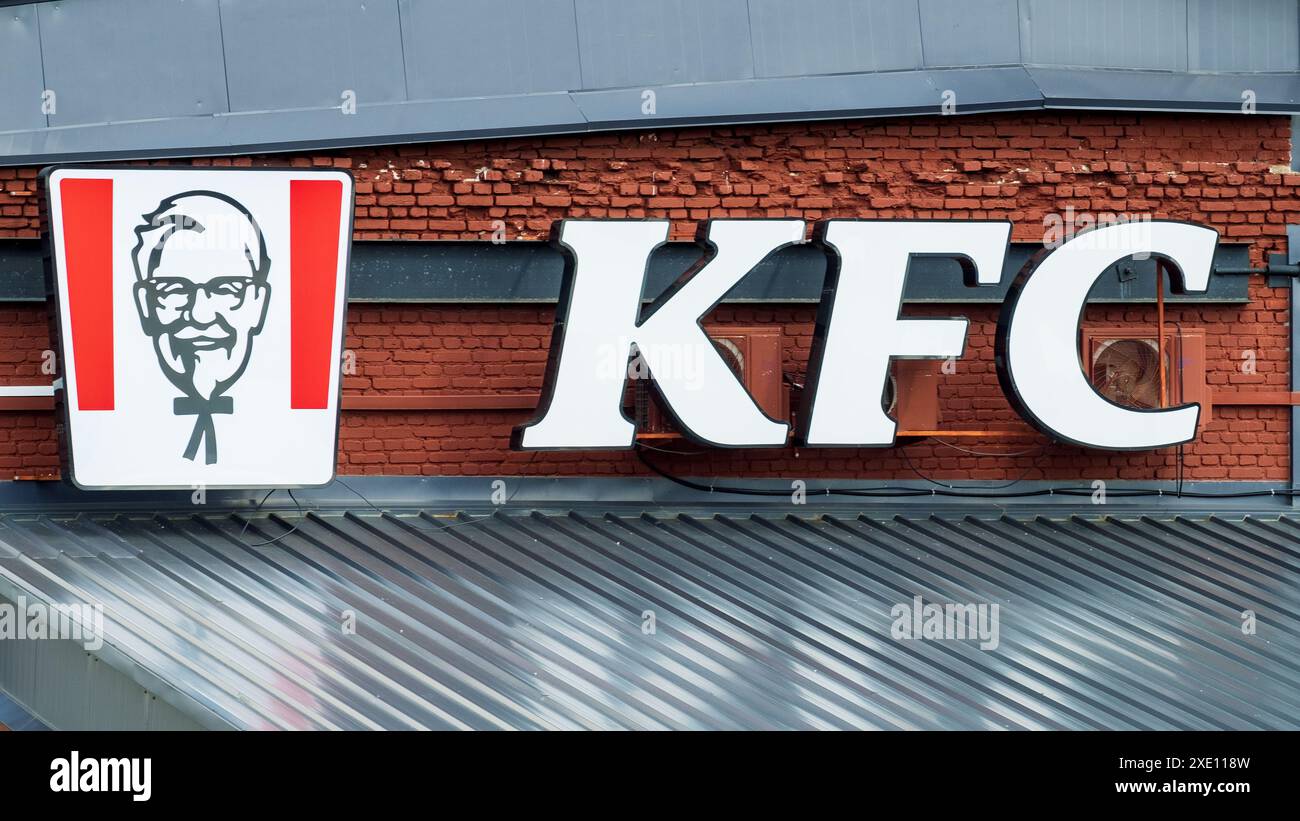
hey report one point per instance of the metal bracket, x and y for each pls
(1278, 276)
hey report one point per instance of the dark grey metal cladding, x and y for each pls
(634, 45)
(416, 271)
(834, 37)
(279, 130)
(970, 34)
(685, 618)
(348, 45)
(455, 49)
(1106, 34)
(1295, 146)
(1243, 35)
(531, 272)
(1156, 91)
(811, 98)
(21, 81)
(1232, 36)
(132, 59)
(157, 78)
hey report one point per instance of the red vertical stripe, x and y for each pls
(88, 268)
(314, 211)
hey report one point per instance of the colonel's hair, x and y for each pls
(205, 218)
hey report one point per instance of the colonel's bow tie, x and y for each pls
(204, 429)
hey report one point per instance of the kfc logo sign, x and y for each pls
(202, 306)
(860, 328)
(200, 319)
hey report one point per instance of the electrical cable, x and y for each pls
(360, 495)
(895, 491)
(903, 452)
(469, 520)
(1038, 450)
(673, 452)
(288, 532)
(256, 509)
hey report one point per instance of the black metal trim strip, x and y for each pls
(472, 272)
(605, 493)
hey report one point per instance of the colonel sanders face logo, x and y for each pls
(201, 290)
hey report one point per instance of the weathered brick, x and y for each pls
(1018, 167)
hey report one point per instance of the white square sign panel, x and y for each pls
(200, 321)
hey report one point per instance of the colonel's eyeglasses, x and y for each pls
(178, 293)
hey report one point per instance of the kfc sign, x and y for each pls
(199, 314)
(860, 328)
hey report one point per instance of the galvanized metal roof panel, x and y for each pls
(15, 717)
(762, 617)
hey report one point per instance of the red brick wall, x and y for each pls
(1230, 172)
(28, 444)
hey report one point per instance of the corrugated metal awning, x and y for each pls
(761, 618)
